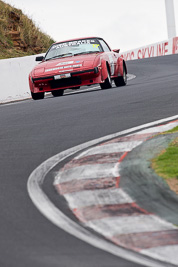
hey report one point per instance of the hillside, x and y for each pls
(19, 36)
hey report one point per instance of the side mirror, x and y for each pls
(40, 58)
(116, 50)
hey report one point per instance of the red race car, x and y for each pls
(74, 63)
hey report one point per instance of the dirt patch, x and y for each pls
(173, 184)
(19, 36)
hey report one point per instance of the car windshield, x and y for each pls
(72, 48)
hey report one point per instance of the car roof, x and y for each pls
(75, 39)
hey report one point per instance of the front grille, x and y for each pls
(65, 82)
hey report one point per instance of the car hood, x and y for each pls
(67, 64)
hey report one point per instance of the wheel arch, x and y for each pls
(108, 67)
(105, 69)
(124, 65)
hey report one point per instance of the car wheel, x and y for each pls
(107, 83)
(37, 96)
(57, 93)
(121, 80)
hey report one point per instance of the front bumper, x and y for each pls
(78, 78)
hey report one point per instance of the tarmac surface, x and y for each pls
(111, 189)
(33, 131)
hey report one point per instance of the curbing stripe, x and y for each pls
(145, 240)
(93, 159)
(93, 198)
(102, 209)
(130, 137)
(49, 210)
(85, 172)
(114, 227)
(97, 212)
(89, 184)
(110, 148)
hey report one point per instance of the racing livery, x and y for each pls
(75, 63)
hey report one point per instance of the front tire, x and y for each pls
(57, 93)
(108, 82)
(37, 96)
(121, 80)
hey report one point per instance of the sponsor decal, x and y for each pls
(65, 67)
(154, 50)
(73, 43)
(53, 69)
(65, 63)
(77, 66)
(175, 45)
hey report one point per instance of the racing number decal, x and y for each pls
(76, 43)
(95, 45)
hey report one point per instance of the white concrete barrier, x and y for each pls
(14, 71)
(164, 48)
(14, 78)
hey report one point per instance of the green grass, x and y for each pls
(174, 130)
(166, 164)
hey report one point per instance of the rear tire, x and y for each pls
(107, 83)
(57, 93)
(121, 80)
(37, 96)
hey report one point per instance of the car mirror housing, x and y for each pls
(40, 58)
(116, 50)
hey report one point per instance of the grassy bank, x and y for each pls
(19, 36)
(166, 164)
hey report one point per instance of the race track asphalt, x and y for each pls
(33, 131)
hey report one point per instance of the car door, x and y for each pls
(111, 56)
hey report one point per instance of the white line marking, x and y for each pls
(166, 252)
(50, 211)
(110, 148)
(160, 129)
(130, 77)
